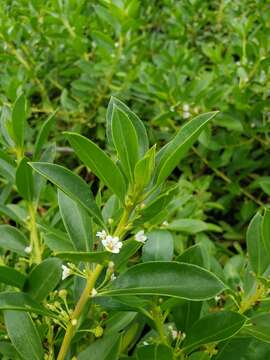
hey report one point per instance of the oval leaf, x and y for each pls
(158, 247)
(44, 278)
(214, 327)
(99, 256)
(12, 239)
(23, 335)
(174, 279)
(170, 155)
(24, 180)
(100, 163)
(12, 277)
(70, 184)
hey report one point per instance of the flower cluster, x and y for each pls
(113, 243)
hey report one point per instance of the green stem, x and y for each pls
(70, 331)
(158, 320)
(34, 236)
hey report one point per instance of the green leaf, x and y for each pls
(192, 226)
(158, 247)
(144, 169)
(18, 121)
(185, 315)
(259, 327)
(24, 180)
(23, 302)
(43, 136)
(193, 255)
(107, 348)
(57, 242)
(7, 167)
(12, 277)
(23, 335)
(12, 239)
(266, 230)
(258, 255)
(154, 352)
(8, 351)
(130, 247)
(184, 281)
(77, 222)
(137, 123)
(72, 185)
(97, 257)
(125, 141)
(171, 154)
(44, 278)
(100, 163)
(214, 327)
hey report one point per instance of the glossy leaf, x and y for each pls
(154, 352)
(12, 239)
(192, 226)
(77, 222)
(70, 184)
(125, 140)
(144, 169)
(99, 162)
(174, 279)
(43, 136)
(44, 278)
(213, 328)
(18, 121)
(23, 302)
(137, 123)
(11, 277)
(107, 348)
(258, 255)
(171, 154)
(192, 255)
(158, 247)
(259, 327)
(24, 335)
(266, 230)
(99, 256)
(24, 180)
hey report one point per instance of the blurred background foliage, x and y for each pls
(168, 61)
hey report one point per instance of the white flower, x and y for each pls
(186, 114)
(28, 249)
(145, 343)
(66, 272)
(140, 236)
(174, 334)
(93, 292)
(113, 277)
(186, 107)
(112, 244)
(101, 234)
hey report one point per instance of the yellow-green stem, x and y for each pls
(34, 236)
(158, 320)
(70, 331)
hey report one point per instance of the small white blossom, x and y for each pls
(66, 272)
(186, 107)
(28, 249)
(174, 334)
(145, 343)
(93, 293)
(112, 244)
(186, 114)
(141, 237)
(113, 277)
(101, 234)
(165, 223)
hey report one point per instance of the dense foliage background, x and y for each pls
(168, 61)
